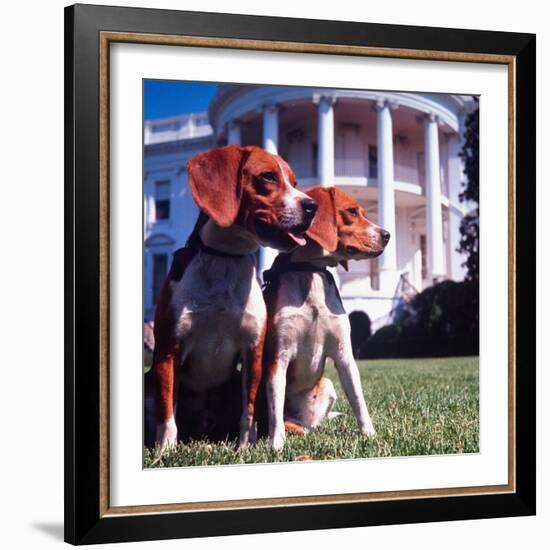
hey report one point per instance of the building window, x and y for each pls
(373, 161)
(374, 274)
(160, 263)
(424, 256)
(162, 200)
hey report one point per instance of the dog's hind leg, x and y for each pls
(275, 393)
(165, 379)
(149, 411)
(305, 410)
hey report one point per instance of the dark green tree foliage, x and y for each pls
(469, 227)
(443, 320)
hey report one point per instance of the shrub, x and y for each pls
(443, 320)
(360, 330)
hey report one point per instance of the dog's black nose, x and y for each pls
(385, 235)
(309, 206)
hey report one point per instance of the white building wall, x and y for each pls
(351, 150)
(377, 308)
(416, 271)
(407, 162)
(165, 236)
(406, 246)
(298, 153)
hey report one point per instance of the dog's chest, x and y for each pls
(310, 323)
(219, 300)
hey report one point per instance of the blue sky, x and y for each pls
(165, 98)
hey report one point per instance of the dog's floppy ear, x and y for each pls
(323, 230)
(215, 183)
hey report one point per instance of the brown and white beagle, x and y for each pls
(210, 312)
(307, 322)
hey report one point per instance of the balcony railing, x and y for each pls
(303, 168)
(343, 167)
(351, 167)
(406, 172)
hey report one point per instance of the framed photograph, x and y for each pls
(300, 274)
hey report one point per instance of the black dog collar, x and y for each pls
(282, 264)
(213, 252)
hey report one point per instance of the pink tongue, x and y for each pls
(300, 241)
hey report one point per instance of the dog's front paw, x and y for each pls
(246, 439)
(368, 430)
(278, 441)
(167, 434)
(248, 433)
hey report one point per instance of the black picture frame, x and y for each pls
(84, 522)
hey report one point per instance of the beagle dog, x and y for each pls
(210, 312)
(307, 322)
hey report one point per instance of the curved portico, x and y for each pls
(397, 153)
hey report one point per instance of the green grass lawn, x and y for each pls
(418, 407)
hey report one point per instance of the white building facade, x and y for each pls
(396, 153)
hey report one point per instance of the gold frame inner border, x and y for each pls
(106, 38)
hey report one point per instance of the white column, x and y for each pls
(234, 133)
(145, 213)
(150, 214)
(147, 134)
(271, 129)
(434, 220)
(386, 196)
(190, 127)
(270, 144)
(325, 140)
(147, 280)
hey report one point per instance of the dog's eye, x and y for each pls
(353, 212)
(269, 176)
